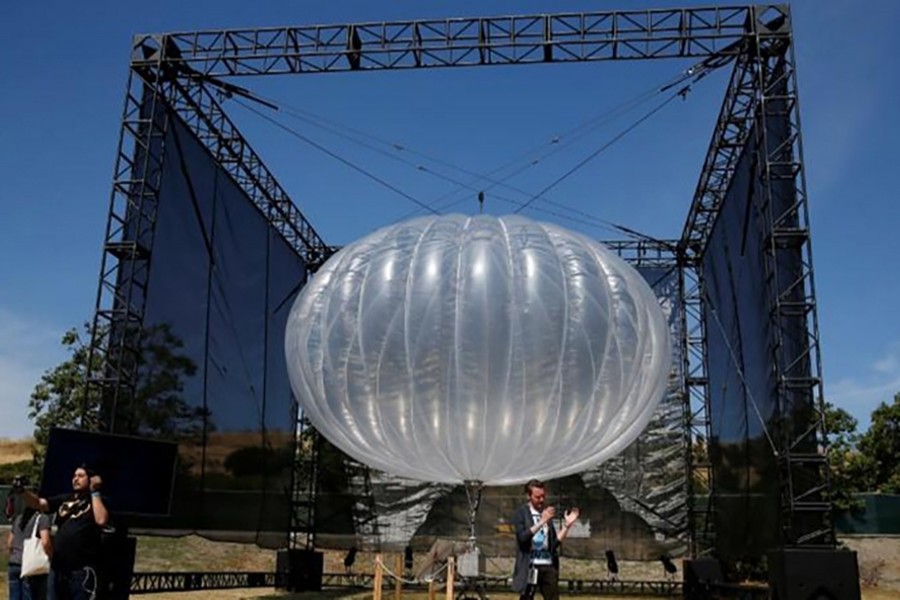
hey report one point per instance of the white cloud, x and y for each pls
(890, 362)
(860, 395)
(28, 347)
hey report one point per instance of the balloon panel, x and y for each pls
(454, 348)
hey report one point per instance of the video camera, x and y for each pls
(19, 483)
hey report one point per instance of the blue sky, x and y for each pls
(63, 69)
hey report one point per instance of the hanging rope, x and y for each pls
(555, 145)
(337, 157)
(602, 149)
(473, 494)
(403, 579)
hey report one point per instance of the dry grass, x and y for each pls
(13, 451)
(193, 553)
(345, 595)
(879, 594)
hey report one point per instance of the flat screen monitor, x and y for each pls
(138, 473)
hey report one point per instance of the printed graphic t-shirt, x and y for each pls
(77, 541)
(540, 543)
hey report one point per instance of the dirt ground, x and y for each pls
(879, 561)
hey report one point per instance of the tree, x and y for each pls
(850, 469)
(63, 399)
(881, 445)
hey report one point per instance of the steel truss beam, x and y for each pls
(806, 510)
(589, 587)
(699, 472)
(304, 485)
(154, 583)
(574, 37)
(121, 293)
(692, 342)
(647, 253)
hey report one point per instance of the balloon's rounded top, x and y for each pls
(454, 348)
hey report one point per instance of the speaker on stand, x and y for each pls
(300, 570)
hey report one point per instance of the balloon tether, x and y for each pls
(473, 494)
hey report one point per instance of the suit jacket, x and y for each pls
(523, 523)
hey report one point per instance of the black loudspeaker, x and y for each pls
(300, 570)
(700, 576)
(801, 574)
(116, 566)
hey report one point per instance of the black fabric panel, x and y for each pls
(743, 401)
(212, 375)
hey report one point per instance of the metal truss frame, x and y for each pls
(304, 484)
(128, 239)
(587, 587)
(158, 582)
(646, 253)
(692, 342)
(762, 91)
(573, 37)
(182, 74)
(699, 475)
(154, 583)
(806, 509)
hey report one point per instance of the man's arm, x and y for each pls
(523, 532)
(101, 515)
(526, 531)
(45, 541)
(9, 541)
(32, 500)
(570, 517)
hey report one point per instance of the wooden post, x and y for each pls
(432, 590)
(451, 573)
(379, 576)
(398, 581)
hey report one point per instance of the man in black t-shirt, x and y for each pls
(80, 518)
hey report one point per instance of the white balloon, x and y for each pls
(454, 348)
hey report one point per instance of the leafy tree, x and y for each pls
(63, 399)
(9, 471)
(850, 469)
(881, 446)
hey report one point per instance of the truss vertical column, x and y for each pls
(806, 512)
(699, 476)
(121, 293)
(304, 485)
(365, 510)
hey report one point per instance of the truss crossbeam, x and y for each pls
(524, 39)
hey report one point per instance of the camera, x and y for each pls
(19, 483)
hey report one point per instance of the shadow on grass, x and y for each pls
(332, 594)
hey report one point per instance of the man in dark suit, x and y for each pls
(537, 544)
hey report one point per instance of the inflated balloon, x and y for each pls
(455, 348)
